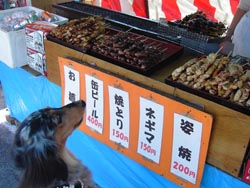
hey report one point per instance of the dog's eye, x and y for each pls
(57, 118)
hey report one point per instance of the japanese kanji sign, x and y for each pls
(72, 88)
(119, 116)
(150, 131)
(186, 147)
(94, 103)
(156, 130)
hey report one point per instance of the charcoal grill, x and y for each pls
(201, 43)
(155, 29)
(116, 19)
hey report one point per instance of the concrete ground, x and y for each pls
(9, 175)
(2, 102)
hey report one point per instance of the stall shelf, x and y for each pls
(110, 168)
(161, 30)
(230, 129)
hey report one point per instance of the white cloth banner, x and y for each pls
(172, 10)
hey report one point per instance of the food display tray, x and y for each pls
(206, 95)
(170, 52)
(63, 43)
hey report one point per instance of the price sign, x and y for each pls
(150, 132)
(246, 177)
(119, 116)
(72, 88)
(150, 127)
(186, 147)
(94, 103)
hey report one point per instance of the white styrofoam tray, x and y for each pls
(13, 49)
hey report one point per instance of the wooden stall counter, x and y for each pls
(230, 129)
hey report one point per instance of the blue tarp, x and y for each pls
(25, 93)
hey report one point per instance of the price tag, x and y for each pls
(72, 82)
(94, 103)
(246, 177)
(150, 132)
(119, 116)
(186, 147)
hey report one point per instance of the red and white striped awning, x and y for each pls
(217, 10)
(133, 7)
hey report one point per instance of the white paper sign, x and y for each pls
(119, 116)
(72, 88)
(94, 103)
(150, 132)
(186, 147)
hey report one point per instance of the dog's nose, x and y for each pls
(83, 103)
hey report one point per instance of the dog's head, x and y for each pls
(40, 137)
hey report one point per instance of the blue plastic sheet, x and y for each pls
(25, 93)
(114, 170)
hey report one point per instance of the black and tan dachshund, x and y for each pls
(39, 149)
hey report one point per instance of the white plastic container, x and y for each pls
(13, 49)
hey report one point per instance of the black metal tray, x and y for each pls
(63, 43)
(170, 53)
(210, 97)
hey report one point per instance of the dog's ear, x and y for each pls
(56, 116)
(35, 134)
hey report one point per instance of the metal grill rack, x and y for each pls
(157, 30)
(195, 41)
(175, 31)
(122, 19)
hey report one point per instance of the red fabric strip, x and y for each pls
(139, 7)
(111, 4)
(234, 5)
(206, 8)
(171, 10)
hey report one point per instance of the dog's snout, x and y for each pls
(79, 103)
(83, 103)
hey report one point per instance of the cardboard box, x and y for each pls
(35, 34)
(37, 61)
(13, 49)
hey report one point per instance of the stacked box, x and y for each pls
(35, 34)
(37, 61)
(12, 43)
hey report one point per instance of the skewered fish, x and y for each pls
(217, 75)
